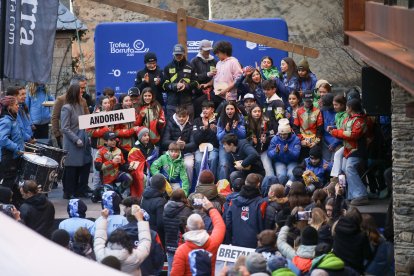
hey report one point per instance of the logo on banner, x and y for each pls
(193, 46)
(251, 45)
(128, 49)
(115, 72)
(245, 213)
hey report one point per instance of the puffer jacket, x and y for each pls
(240, 130)
(153, 202)
(308, 82)
(38, 113)
(202, 66)
(130, 262)
(175, 218)
(173, 132)
(173, 170)
(11, 135)
(292, 155)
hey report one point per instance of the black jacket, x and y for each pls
(173, 132)
(38, 213)
(273, 111)
(250, 157)
(272, 210)
(175, 219)
(153, 202)
(201, 68)
(205, 135)
(351, 244)
(152, 74)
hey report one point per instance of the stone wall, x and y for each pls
(403, 178)
(62, 63)
(317, 24)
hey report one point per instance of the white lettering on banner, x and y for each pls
(27, 36)
(107, 118)
(229, 253)
(12, 21)
(138, 46)
(193, 46)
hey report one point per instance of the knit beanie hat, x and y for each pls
(315, 152)
(206, 177)
(76, 208)
(303, 64)
(111, 201)
(141, 132)
(309, 236)
(7, 100)
(150, 57)
(320, 82)
(256, 263)
(276, 262)
(284, 126)
(158, 181)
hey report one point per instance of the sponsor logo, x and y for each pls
(127, 48)
(251, 45)
(193, 46)
(115, 72)
(245, 213)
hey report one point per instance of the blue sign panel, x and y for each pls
(120, 47)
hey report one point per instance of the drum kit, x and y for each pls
(44, 164)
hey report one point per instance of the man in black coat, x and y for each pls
(37, 212)
(151, 76)
(245, 158)
(153, 202)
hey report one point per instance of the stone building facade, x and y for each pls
(403, 178)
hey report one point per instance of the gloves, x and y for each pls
(79, 143)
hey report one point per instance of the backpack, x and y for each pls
(200, 262)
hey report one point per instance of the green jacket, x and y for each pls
(339, 119)
(173, 170)
(271, 73)
(328, 261)
(283, 272)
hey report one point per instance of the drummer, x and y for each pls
(11, 144)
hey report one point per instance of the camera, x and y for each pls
(304, 215)
(7, 209)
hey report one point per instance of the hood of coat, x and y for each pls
(150, 192)
(306, 251)
(173, 208)
(38, 201)
(197, 237)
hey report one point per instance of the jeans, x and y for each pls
(213, 157)
(337, 164)
(355, 186)
(266, 183)
(223, 169)
(170, 259)
(267, 164)
(284, 173)
(96, 177)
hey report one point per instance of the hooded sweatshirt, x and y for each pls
(38, 213)
(175, 217)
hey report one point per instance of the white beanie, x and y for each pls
(284, 126)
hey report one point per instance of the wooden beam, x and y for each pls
(354, 17)
(213, 27)
(182, 28)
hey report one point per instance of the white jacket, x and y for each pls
(129, 262)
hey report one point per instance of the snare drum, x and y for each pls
(41, 169)
(56, 154)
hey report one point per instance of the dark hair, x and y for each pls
(12, 91)
(267, 238)
(330, 202)
(108, 91)
(253, 126)
(322, 248)
(340, 99)
(72, 95)
(120, 237)
(269, 58)
(181, 111)
(268, 84)
(326, 85)
(76, 79)
(297, 195)
(82, 235)
(61, 237)
(112, 261)
(319, 197)
(292, 69)
(249, 80)
(154, 104)
(370, 227)
(230, 138)
(30, 186)
(327, 100)
(237, 184)
(297, 94)
(355, 105)
(355, 215)
(207, 104)
(174, 146)
(253, 180)
(224, 119)
(178, 195)
(224, 47)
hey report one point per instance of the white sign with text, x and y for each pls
(107, 118)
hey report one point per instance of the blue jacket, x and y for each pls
(39, 114)
(71, 225)
(25, 123)
(243, 89)
(11, 135)
(319, 171)
(292, 155)
(307, 83)
(288, 86)
(240, 130)
(246, 213)
(329, 120)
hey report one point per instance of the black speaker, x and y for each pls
(376, 92)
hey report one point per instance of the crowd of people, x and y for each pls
(218, 153)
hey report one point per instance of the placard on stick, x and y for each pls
(107, 118)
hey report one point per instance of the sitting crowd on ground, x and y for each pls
(218, 154)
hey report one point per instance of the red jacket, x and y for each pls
(153, 125)
(352, 132)
(308, 123)
(104, 163)
(181, 265)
